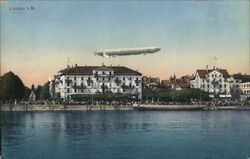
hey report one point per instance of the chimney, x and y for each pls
(214, 67)
(207, 68)
(76, 65)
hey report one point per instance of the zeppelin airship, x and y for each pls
(126, 51)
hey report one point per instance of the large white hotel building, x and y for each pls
(98, 80)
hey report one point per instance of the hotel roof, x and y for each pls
(88, 70)
(203, 72)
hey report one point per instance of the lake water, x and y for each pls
(126, 135)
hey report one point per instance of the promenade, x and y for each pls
(61, 107)
(78, 107)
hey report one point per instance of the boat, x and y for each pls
(169, 107)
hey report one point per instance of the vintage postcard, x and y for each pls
(125, 79)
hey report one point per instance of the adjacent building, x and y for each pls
(97, 80)
(242, 86)
(218, 81)
(214, 81)
(150, 82)
(177, 83)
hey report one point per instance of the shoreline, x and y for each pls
(61, 107)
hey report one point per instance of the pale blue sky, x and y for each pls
(36, 44)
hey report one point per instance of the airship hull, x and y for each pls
(127, 51)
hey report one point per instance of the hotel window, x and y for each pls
(67, 84)
(75, 84)
(81, 78)
(74, 78)
(103, 78)
(97, 78)
(123, 78)
(75, 90)
(67, 90)
(67, 77)
(208, 86)
(130, 78)
(82, 90)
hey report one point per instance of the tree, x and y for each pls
(37, 91)
(184, 95)
(44, 94)
(11, 87)
(26, 94)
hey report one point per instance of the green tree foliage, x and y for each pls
(42, 92)
(108, 97)
(185, 95)
(26, 94)
(11, 87)
(37, 92)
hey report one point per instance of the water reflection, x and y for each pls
(126, 134)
